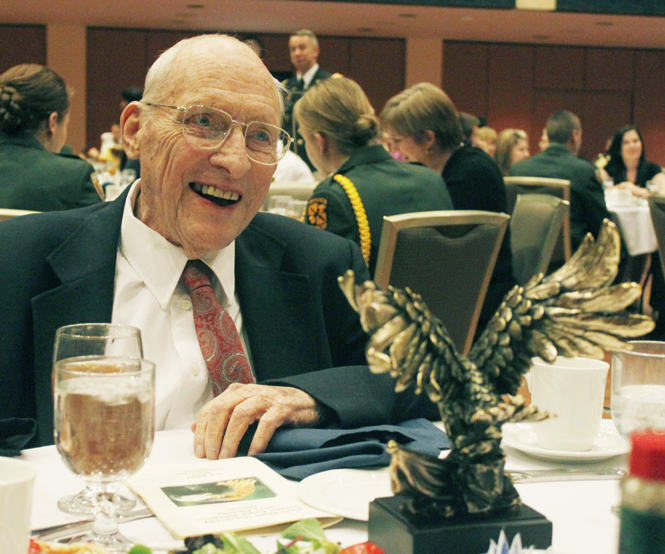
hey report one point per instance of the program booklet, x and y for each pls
(238, 494)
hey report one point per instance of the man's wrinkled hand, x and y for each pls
(224, 420)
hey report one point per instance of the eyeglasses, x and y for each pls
(208, 128)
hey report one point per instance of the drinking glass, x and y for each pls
(638, 388)
(104, 429)
(96, 339)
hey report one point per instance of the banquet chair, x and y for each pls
(6, 213)
(535, 227)
(657, 210)
(543, 185)
(297, 191)
(447, 257)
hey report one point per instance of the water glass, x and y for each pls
(638, 388)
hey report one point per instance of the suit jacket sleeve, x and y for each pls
(349, 390)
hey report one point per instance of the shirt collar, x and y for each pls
(308, 75)
(159, 264)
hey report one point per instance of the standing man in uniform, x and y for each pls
(304, 52)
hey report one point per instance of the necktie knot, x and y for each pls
(195, 275)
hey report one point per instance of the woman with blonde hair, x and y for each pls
(364, 183)
(512, 146)
(425, 127)
(34, 114)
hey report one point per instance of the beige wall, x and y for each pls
(424, 61)
(66, 55)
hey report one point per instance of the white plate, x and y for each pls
(522, 437)
(345, 492)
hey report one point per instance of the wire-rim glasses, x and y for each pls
(208, 128)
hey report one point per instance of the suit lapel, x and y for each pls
(85, 266)
(277, 310)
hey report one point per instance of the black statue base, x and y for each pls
(396, 533)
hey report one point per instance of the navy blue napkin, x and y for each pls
(15, 433)
(299, 453)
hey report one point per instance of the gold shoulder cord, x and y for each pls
(361, 217)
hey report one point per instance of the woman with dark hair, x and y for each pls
(364, 182)
(34, 114)
(627, 165)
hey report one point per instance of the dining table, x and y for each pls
(580, 509)
(634, 220)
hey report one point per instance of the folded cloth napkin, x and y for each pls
(299, 453)
(15, 433)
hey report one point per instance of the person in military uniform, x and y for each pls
(304, 53)
(364, 183)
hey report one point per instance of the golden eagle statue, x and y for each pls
(575, 311)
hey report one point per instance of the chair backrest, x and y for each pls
(657, 209)
(298, 191)
(6, 213)
(535, 227)
(543, 185)
(445, 256)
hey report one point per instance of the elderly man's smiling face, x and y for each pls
(181, 183)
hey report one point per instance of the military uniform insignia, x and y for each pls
(317, 214)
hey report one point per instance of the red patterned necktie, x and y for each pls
(217, 335)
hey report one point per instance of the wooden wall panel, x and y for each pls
(604, 113)
(559, 67)
(465, 66)
(22, 44)
(335, 55)
(159, 41)
(610, 69)
(649, 108)
(545, 103)
(379, 68)
(510, 98)
(116, 59)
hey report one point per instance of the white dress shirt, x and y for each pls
(308, 76)
(148, 295)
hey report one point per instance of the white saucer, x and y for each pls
(608, 444)
(345, 492)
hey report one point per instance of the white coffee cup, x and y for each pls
(572, 389)
(16, 480)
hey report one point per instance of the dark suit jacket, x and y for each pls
(587, 201)
(292, 96)
(58, 268)
(33, 179)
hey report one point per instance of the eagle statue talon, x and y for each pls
(575, 311)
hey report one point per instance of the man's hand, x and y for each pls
(223, 421)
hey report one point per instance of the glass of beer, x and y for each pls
(96, 339)
(104, 429)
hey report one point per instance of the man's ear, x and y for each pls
(129, 129)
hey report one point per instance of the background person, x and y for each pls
(627, 165)
(512, 147)
(485, 138)
(34, 114)
(426, 128)
(304, 54)
(364, 182)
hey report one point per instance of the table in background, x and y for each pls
(636, 228)
(579, 510)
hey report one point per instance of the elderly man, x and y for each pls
(304, 53)
(559, 160)
(207, 134)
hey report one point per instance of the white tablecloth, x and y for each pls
(579, 510)
(636, 227)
